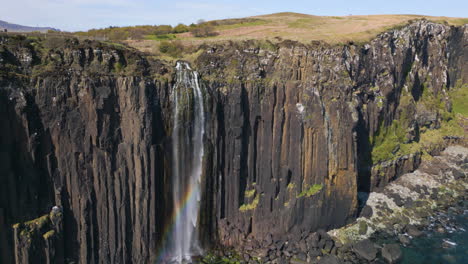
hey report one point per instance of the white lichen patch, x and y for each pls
(376, 199)
(419, 178)
(300, 108)
(403, 191)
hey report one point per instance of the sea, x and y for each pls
(445, 239)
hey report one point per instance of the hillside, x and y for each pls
(294, 26)
(20, 28)
(302, 27)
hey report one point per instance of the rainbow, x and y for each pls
(188, 196)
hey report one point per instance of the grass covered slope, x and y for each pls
(305, 28)
(280, 26)
(294, 26)
(391, 142)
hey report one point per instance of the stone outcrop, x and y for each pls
(408, 207)
(293, 132)
(40, 240)
(294, 116)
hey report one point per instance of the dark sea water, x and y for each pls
(450, 246)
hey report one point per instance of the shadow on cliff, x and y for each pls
(26, 160)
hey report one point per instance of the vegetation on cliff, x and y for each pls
(394, 140)
(309, 191)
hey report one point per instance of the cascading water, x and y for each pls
(187, 154)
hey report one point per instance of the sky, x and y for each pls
(73, 15)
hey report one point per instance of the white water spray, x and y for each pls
(187, 137)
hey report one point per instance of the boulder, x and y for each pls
(392, 253)
(365, 249)
(366, 212)
(299, 259)
(413, 231)
(404, 239)
(329, 260)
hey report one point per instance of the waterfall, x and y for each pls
(187, 156)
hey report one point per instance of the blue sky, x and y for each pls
(85, 14)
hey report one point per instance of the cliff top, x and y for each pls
(294, 26)
(305, 28)
(290, 26)
(167, 42)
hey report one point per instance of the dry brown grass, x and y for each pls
(304, 28)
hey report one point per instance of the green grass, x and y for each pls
(215, 259)
(161, 37)
(242, 24)
(49, 234)
(387, 141)
(309, 191)
(460, 99)
(390, 141)
(459, 21)
(249, 193)
(38, 222)
(116, 45)
(304, 22)
(251, 206)
(118, 67)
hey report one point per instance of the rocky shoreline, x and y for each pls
(390, 219)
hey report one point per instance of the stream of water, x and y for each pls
(187, 137)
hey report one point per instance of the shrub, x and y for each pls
(180, 28)
(172, 48)
(162, 30)
(203, 31)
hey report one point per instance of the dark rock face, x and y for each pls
(300, 115)
(86, 126)
(89, 142)
(329, 260)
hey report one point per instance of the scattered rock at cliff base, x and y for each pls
(365, 249)
(329, 260)
(392, 253)
(366, 212)
(404, 239)
(413, 231)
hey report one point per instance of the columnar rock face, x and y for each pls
(295, 117)
(292, 134)
(82, 138)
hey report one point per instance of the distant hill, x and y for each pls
(19, 28)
